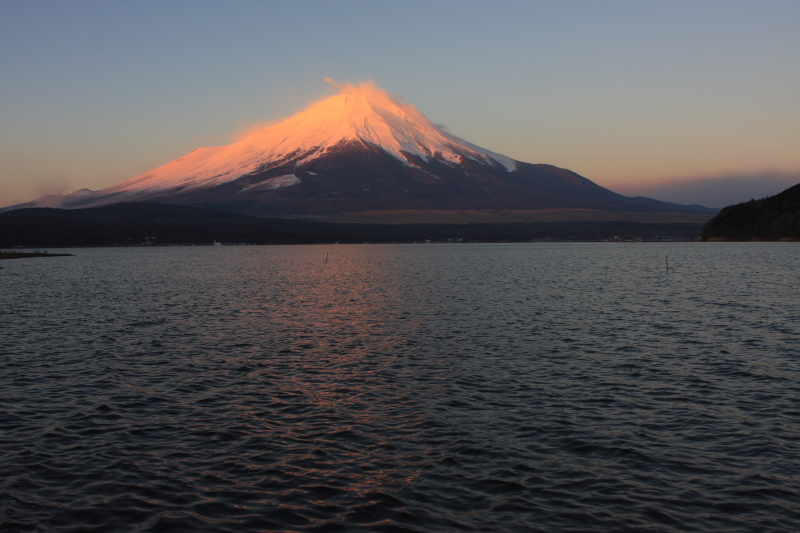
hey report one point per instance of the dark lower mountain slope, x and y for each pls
(357, 177)
(769, 219)
(141, 222)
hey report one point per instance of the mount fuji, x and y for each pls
(365, 155)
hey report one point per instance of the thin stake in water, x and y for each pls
(666, 258)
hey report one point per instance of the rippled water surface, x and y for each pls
(525, 387)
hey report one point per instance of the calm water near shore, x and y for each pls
(428, 388)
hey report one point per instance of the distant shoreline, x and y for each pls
(24, 255)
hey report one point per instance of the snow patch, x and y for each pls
(275, 183)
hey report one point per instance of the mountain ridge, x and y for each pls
(359, 151)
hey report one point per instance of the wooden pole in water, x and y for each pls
(666, 258)
(326, 257)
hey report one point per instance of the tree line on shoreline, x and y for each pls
(774, 218)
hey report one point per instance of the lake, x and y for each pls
(399, 388)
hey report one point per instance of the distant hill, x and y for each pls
(775, 218)
(136, 223)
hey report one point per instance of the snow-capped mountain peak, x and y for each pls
(363, 113)
(357, 153)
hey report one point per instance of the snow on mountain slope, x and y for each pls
(275, 183)
(361, 150)
(364, 112)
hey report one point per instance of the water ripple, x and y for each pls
(402, 388)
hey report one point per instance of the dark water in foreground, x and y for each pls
(563, 387)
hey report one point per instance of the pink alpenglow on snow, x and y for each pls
(362, 112)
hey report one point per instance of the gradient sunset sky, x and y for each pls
(693, 102)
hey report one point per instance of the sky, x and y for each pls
(691, 102)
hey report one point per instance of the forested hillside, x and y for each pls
(770, 219)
